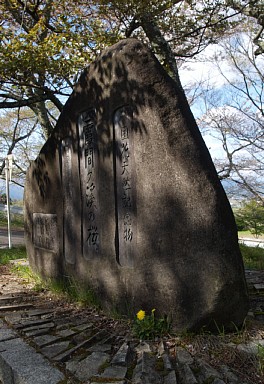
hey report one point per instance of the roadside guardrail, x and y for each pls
(251, 242)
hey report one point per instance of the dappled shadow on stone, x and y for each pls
(142, 218)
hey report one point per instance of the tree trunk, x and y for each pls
(161, 47)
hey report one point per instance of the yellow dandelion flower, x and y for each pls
(141, 315)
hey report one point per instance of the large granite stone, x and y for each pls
(130, 201)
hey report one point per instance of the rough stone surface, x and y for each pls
(206, 372)
(41, 341)
(19, 363)
(89, 366)
(110, 382)
(100, 348)
(144, 372)
(38, 327)
(184, 360)
(183, 356)
(115, 372)
(54, 349)
(6, 333)
(122, 355)
(124, 197)
(186, 375)
(170, 378)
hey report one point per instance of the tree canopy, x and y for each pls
(251, 217)
(46, 43)
(233, 114)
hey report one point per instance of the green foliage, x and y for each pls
(45, 43)
(253, 257)
(23, 270)
(49, 41)
(79, 292)
(243, 234)
(55, 37)
(73, 290)
(240, 222)
(3, 218)
(12, 254)
(147, 327)
(260, 356)
(16, 220)
(251, 216)
(3, 198)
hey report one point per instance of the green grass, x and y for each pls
(26, 273)
(17, 221)
(73, 289)
(76, 291)
(253, 257)
(14, 253)
(249, 234)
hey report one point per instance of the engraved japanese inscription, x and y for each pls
(141, 213)
(89, 181)
(45, 231)
(125, 185)
(68, 182)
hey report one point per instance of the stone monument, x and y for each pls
(124, 197)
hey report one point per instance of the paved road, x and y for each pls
(17, 237)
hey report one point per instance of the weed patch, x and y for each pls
(6, 255)
(72, 290)
(26, 273)
(261, 358)
(16, 220)
(253, 257)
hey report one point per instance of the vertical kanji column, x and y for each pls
(125, 185)
(89, 184)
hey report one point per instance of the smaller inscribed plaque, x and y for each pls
(125, 185)
(45, 231)
(89, 183)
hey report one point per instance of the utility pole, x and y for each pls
(8, 174)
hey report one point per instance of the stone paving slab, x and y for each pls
(85, 352)
(55, 349)
(108, 382)
(20, 363)
(27, 323)
(15, 307)
(38, 327)
(122, 355)
(114, 372)
(45, 340)
(88, 367)
(170, 378)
